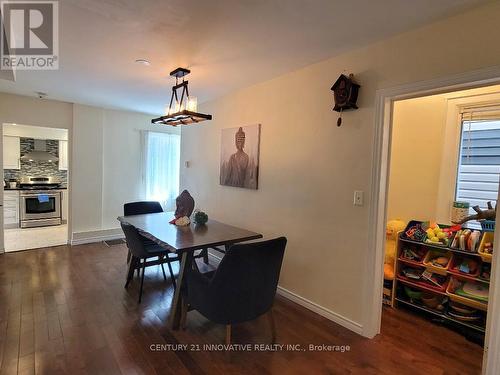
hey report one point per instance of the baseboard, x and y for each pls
(318, 309)
(80, 238)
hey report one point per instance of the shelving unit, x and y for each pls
(400, 298)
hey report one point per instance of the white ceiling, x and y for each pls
(228, 44)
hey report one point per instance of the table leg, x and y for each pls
(175, 310)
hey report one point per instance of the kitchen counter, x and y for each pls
(18, 188)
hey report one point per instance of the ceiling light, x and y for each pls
(181, 111)
(143, 62)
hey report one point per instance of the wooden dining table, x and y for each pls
(184, 241)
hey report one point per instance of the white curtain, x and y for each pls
(161, 162)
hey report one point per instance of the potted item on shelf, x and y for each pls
(437, 235)
(465, 265)
(414, 231)
(486, 247)
(469, 293)
(467, 240)
(414, 254)
(438, 261)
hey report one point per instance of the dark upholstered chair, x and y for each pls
(141, 208)
(242, 288)
(152, 249)
(142, 251)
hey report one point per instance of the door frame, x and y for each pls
(373, 287)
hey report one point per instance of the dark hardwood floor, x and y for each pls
(64, 310)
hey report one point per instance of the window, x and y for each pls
(162, 158)
(479, 164)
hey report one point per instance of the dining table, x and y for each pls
(184, 241)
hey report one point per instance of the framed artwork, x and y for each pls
(239, 158)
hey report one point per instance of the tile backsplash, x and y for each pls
(38, 168)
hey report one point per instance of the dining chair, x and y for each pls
(151, 207)
(241, 289)
(141, 253)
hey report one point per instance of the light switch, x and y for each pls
(187, 163)
(358, 198)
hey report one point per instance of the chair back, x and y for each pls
(247, 278)
(141, 208)
(135, 242)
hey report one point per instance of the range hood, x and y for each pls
(40, 153)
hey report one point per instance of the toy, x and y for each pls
(488, 214)
(435, 235)
(391, 233)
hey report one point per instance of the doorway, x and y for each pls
(35, 195)
(378, 215)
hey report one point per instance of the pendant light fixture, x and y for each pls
(182, 108)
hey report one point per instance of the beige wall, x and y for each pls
(417, 143)
(309, 168)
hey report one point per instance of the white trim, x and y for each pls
(81, 238)
(310, 305)
(491, 362)
(328, 314)
(372, 289)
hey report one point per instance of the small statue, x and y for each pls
(488, 214)
(185, 205)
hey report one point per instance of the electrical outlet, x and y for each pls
(358, 198)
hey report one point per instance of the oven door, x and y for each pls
(40, 206)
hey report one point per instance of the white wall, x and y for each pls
(309, 168)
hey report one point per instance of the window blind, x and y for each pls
(479, 162)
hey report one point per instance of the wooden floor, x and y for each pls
(64, 310)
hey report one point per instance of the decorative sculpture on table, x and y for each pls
(185, 207)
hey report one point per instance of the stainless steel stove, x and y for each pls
(40, 202)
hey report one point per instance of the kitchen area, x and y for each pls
(35, 203)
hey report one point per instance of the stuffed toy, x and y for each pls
(391, 233)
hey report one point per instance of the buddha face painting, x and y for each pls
(239, 165)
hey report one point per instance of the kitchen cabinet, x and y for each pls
(63, 155)
(11, 152)
(11, 209)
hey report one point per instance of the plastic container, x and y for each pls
(418, 250)
(431, 254)
(487, 237)
(456, 283)
(411, 224)
(420, 283)
(488, 225)
(457, 260)
(447, 241)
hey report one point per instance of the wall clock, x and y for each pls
(345, 94)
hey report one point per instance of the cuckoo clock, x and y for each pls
(345, 94)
